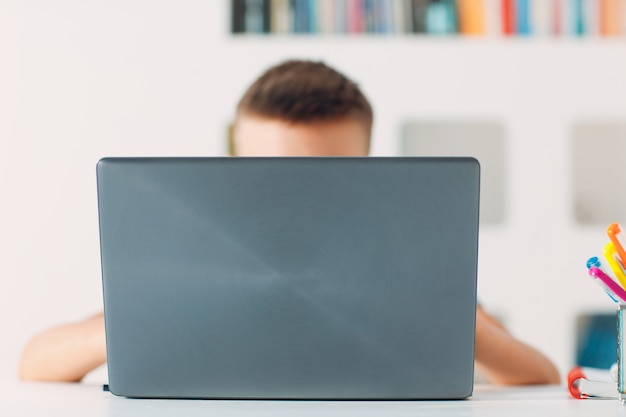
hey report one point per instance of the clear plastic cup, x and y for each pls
(621, 352)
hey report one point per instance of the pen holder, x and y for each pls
(621, 352)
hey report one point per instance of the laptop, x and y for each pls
(289, 278)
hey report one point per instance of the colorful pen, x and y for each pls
(594, 261)
(614, 231)
(616, 266)
(610, 286)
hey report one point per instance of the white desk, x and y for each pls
(69, 400)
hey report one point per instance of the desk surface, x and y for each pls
(69, 400)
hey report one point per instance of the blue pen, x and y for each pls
(594, 262)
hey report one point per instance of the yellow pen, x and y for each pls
(612, 258)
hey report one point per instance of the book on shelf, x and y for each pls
(441, 17)
(250, 16)
(579, 23)
(557, 15)
(541, 18)
(302, 16)
(237, 14)
(279, 16)
(592, 17)
(471, 17)
(507, 11)
(610, 17)
(522, 17)
(325, 17)
(354, 16)
(418, 14)
(431, 17)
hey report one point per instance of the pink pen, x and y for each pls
(608, 284)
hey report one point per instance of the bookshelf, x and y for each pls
(525, 18)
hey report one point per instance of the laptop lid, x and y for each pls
(289, 278)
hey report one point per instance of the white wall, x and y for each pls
(80, 80)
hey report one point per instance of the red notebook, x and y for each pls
(585, 382)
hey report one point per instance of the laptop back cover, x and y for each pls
(294, 278)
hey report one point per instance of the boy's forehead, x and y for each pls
(260, 136)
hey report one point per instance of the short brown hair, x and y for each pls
(305, 91)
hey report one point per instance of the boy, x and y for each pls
(297, 108)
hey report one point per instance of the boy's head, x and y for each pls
(303, 108)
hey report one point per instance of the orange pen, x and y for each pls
(614, 232)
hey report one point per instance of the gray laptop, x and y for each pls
(289, 278)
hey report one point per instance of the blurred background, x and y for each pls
(535, 89)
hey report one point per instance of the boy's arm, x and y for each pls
(65, 353)
(507, 361)
(69, 352)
